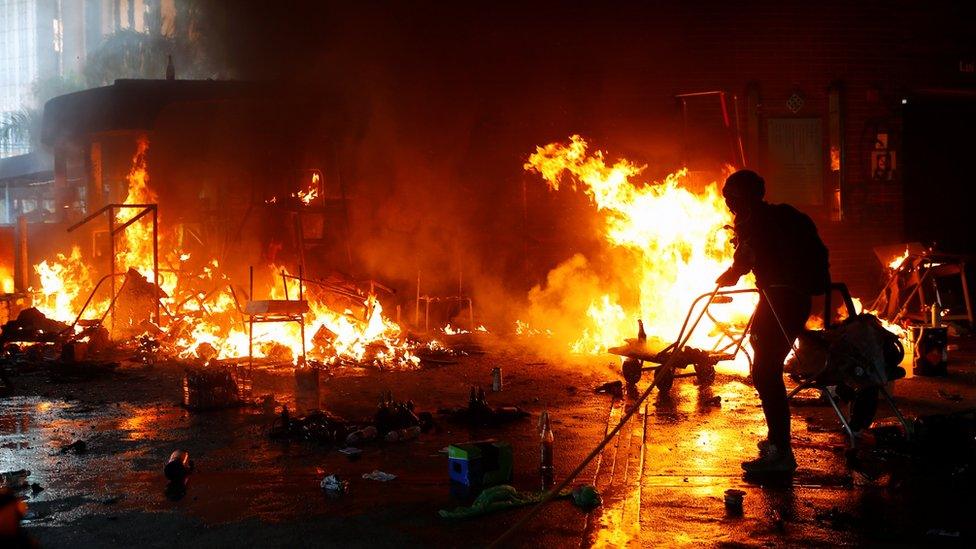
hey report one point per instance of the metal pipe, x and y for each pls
(111, 258)
(133, 219)
(156, 281)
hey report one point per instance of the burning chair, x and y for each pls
(274, 310)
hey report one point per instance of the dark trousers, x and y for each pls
(771, 347)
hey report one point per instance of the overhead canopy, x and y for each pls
(33, 165)
(128, 105)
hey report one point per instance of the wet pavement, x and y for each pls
(662, 479)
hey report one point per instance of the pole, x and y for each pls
(111, 259)
(155, 231)
(24, 273)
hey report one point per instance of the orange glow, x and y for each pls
(667, 246)
(897, 261)
(6, 280)
(210, 325)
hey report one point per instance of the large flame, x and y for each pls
(135, 248)
(667, 243)
(203, 317)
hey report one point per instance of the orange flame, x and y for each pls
(669, 246)
(211, 326)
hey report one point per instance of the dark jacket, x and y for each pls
(780, 245)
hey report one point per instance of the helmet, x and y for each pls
(744, 184)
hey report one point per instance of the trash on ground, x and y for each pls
(317, 426)
(479, 412)
(334, 486)
(479, 464)
(179, 465)
(14, 480)
(496, 498)
(379, 475)
(76, 447)
(612, 388)
(586, 497)
(952, 397)
(733, 501)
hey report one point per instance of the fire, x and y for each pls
(308, 195)
(205, 321)
(665, 246)
(896, 262)
(136, 247)
(6, 280)
(63, 282)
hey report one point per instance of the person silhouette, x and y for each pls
(781, 247)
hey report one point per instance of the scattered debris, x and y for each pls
(837, 519)
(612, 388)
(179, 466)
(496, 379)
(942, 533)
(498, 498)
(733, 502)
(479, 412)
(398, 435)
(586, 497)
(351, 452)
(392, 415)
(334, 486)
(715, 401)
(473, 466)
(32, 325)
(14, 480)
(76, 447)
(379, 475)
(359, 436)
(268, 404)
(216, 387)
(317, 426)
(952, 397)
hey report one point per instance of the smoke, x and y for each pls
(434, 110)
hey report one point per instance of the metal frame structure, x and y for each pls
(113, 230)
(734, 133)
(272, 316)
(428, 299)
(932, 267)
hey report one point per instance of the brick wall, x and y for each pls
(879, 52)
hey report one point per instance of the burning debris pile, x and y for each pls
(166, 303)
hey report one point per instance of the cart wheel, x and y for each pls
(664, 380)
(632, 370)
(705, 374)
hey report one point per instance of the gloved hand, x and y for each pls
(728, 278)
